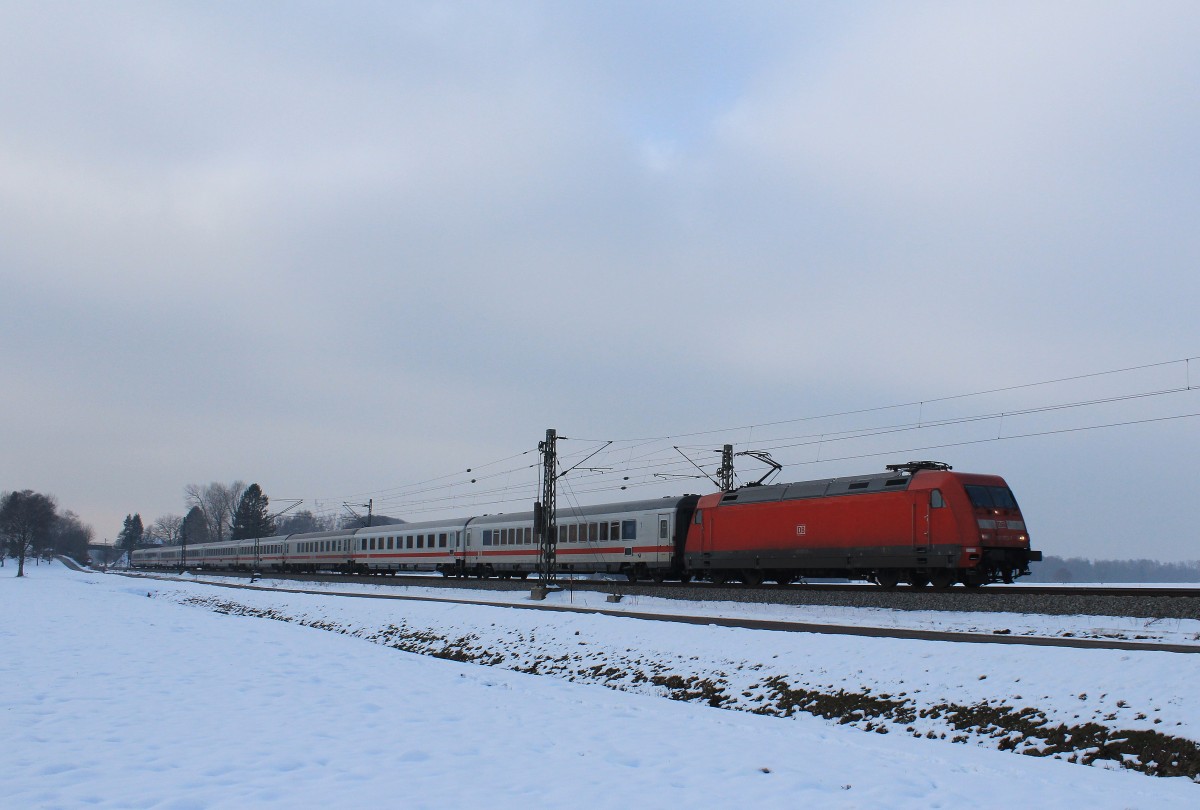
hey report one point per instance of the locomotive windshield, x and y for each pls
(991, 497)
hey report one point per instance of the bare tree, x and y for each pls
(217, 503)
(167, 528)
(26, 519)
(71, 536)
(304, 521)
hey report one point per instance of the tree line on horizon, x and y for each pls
(32, 525)
(217, 512)
(1078, 569)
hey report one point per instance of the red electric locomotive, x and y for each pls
(918, 523)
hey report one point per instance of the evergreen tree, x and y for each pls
(131, 534)
(251, 520)
(194, 528)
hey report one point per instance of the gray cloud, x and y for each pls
(337, 249)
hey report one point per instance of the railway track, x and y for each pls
(1150, 603)
(1141, 643)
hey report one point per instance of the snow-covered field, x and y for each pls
(190, 699)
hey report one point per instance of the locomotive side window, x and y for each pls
(935, 499)
(698, 519)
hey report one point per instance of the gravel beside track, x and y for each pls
(1150, 603)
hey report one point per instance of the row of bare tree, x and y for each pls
(32, 526)
(210, 517)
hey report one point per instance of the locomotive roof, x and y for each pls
(820, 488)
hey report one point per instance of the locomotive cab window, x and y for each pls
(935, 499)
(991, 497)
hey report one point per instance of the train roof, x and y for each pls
(575, 512)
(820, 488)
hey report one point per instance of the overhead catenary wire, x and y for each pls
(621, 462)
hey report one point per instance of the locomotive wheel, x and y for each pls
(718, 577)
(887, 580)
(942, 580)
(918, 582)
(752, 577)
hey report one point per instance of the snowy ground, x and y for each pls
(187, 700)
(1123, 628)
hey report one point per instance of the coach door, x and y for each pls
(665, 545)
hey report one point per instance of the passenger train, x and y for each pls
(919, 523)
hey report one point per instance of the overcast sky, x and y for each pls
(341, 249)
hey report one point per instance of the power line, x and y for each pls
(647, 454)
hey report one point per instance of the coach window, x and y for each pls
(593, 532)
(662, 528)
(487, 537)
(603, 532)
(573, 533)
(629, 530)
(935, 499)
(528, 535)
(442, 540)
